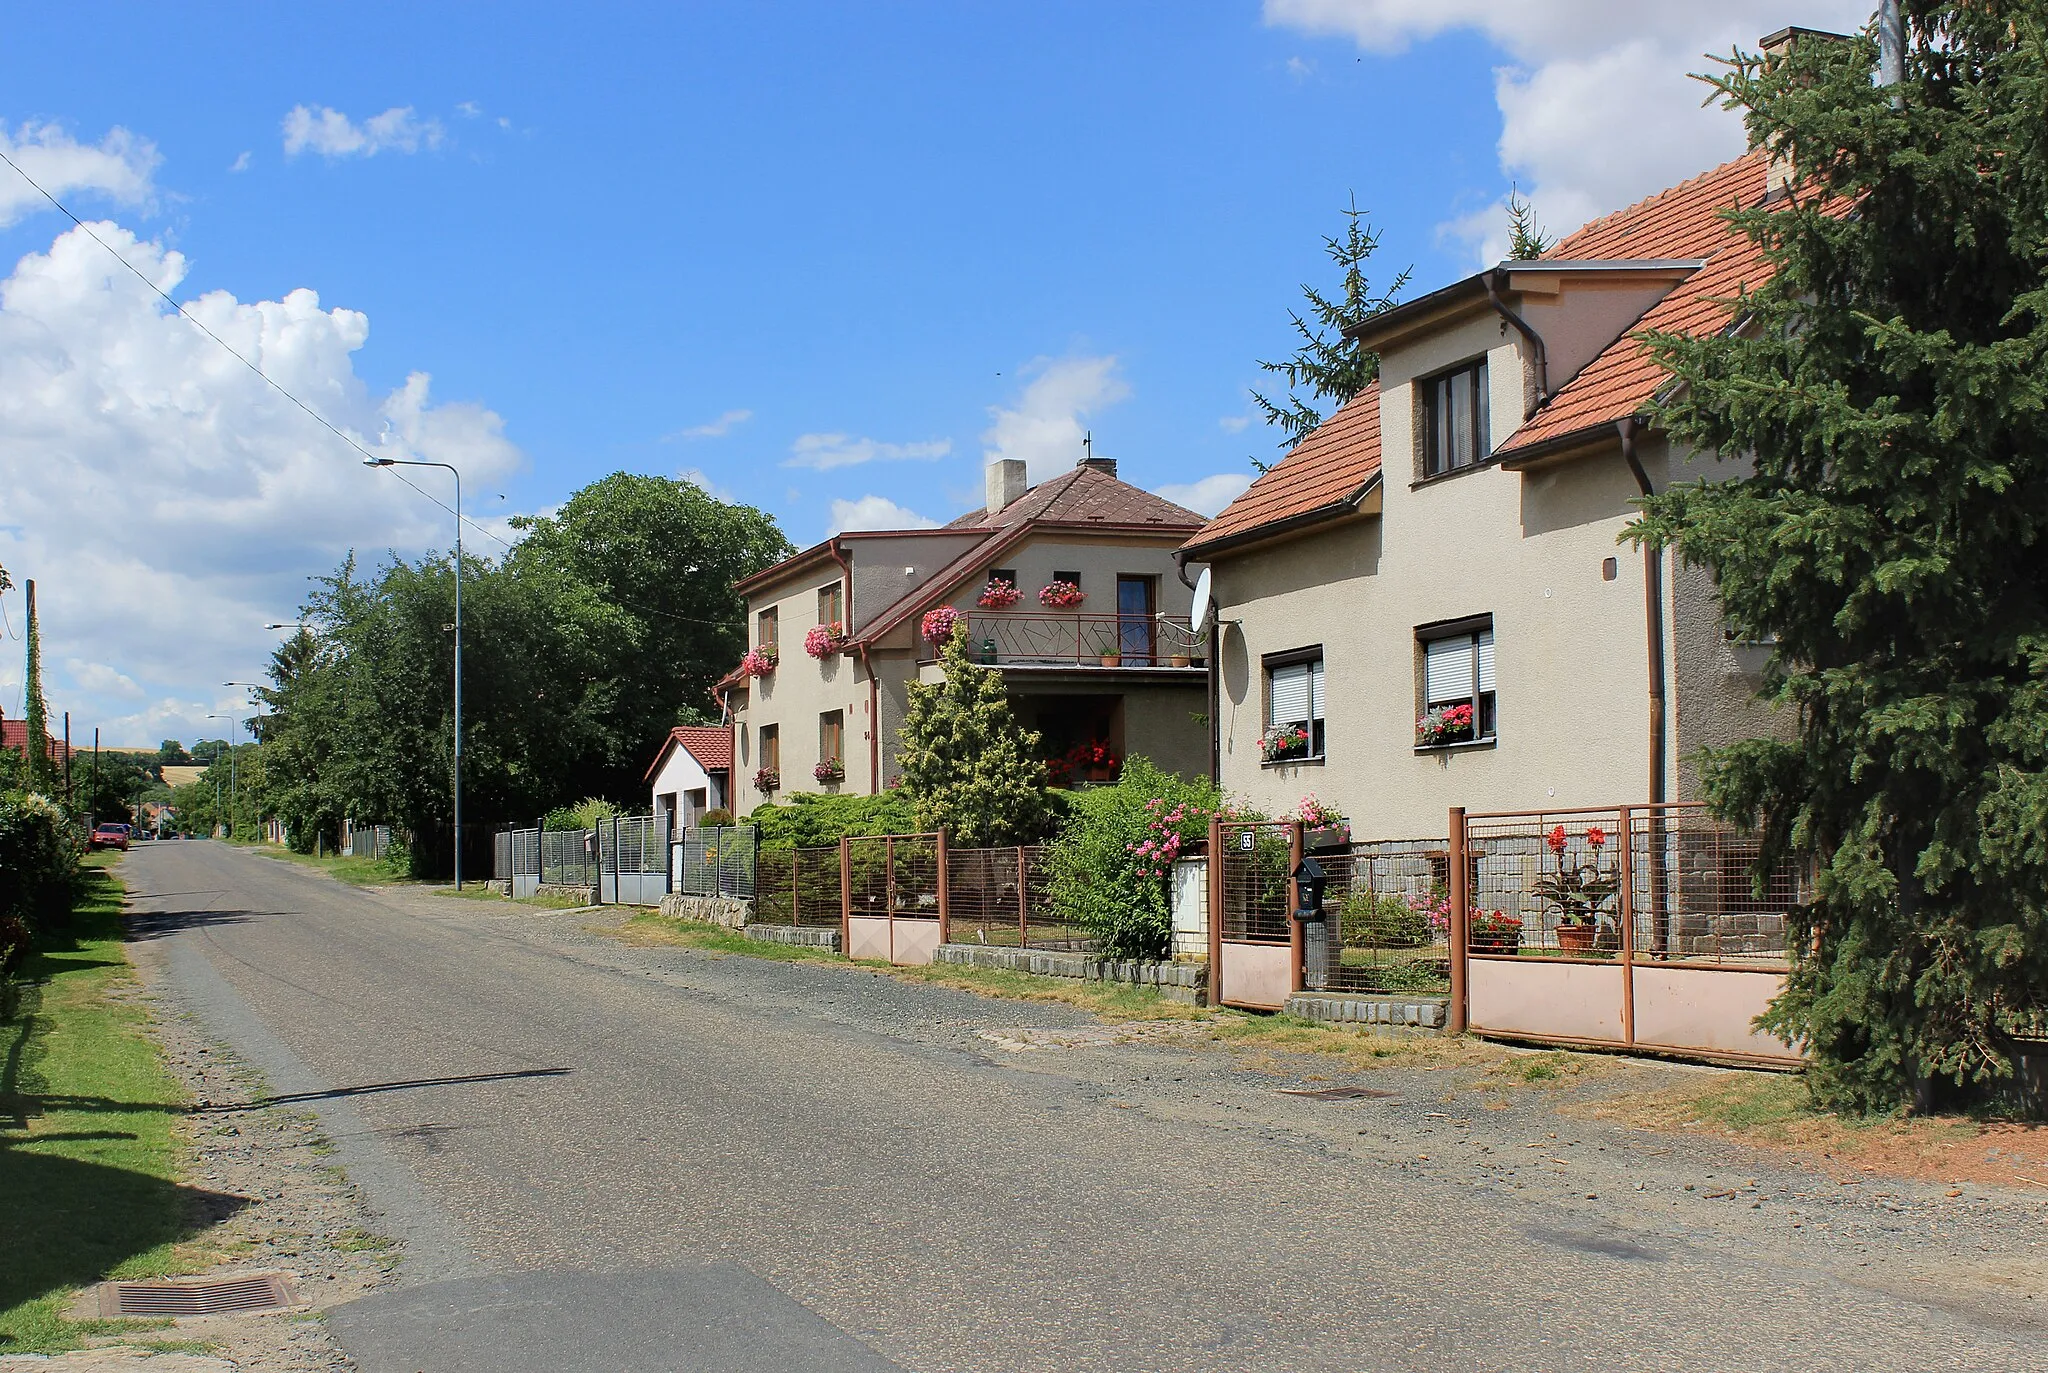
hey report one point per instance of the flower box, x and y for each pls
(1058, 595)
(999, 594)
(831, 770)
(1283, 743)
(940, 624)
(822, 641)
(1444, 725)
(758, 662)
(767, 779)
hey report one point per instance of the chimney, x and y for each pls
(1088, 458)
(1779, 174)
(1003, 483)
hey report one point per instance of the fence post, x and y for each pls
(1297, 936)
(796, 910)
(845, 898)
(1023, 907)
(1461, 899)
(1628, 927)
(1215, 910)
(945, 892)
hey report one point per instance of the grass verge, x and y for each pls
(88, 1155)
(357, 872)
(546, 901)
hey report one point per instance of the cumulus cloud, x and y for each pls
(168, 502)
(1210, 494)
(1597, 106)
(823, 452)
(875, 512)
(241, 162)
(717, 428)
(120, 167)
(332, 134)
(1046, 425)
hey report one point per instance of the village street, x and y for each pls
(597, 1155)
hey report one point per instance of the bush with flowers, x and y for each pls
(940, 624)
(1111, 867)
(1059, 595)
(1000, 594)
(1580, 885)
(822, 641)
(1493, 932)
(758, 662)
(1444, 725)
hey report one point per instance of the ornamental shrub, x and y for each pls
(967, 763)
(586, 814)
(38, 871)
(1111, 867)
(804, 820)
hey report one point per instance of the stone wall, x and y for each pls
(803, 936)
(1183, 982)
(729, 911)
(587, 895)
(1395, 1015)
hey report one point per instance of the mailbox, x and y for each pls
(1308, 881)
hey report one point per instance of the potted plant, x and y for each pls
(831, 770)
(1092, 761)
(1060, 595)
(1180, 660)
(767, 779)
(1444, 725)
(759, 661)
(940, 624)
(1322, 826)
(822, 641)
(1000, 594)
(1577, 890)
(1284, 742)
(1494, 932)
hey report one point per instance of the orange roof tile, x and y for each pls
(1329, 467)
(710, 745)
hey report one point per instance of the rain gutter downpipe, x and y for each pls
(1653, 618)
(1214, 656)
(1495, 280)
(874, 690)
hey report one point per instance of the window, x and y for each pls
(1001, 574)
(832, 605)
(832, 737)
(770, 754)
(766, 637)
(1073, 577)
(1457, 672)
(1454, 420)
(1294, 706)
(1134, 600)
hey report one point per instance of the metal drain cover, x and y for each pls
(222, 1296)
(1334, 1093)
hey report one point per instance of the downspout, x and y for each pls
(1214, 656)
(838, 550)
(1653, 619)
(1494, 281)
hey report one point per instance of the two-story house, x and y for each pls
(1068, 588)
(1427, 602)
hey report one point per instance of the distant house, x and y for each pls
(1068, 588)
(14, 736)
(690, 775)
(1426, 602)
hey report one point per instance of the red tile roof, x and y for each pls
(710, 745)
(1324, 471)
(14, 735)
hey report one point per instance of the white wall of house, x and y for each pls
(684, 790)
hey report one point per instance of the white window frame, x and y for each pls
(1315, 709)
(1478, 686)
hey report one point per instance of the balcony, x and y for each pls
(1157, 646)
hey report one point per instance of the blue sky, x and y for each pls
(856, 249)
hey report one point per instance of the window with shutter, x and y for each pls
(1457, 685)
(1295, 707)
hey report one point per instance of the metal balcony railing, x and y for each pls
(1009, 638)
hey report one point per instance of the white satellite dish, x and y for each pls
(1203, 603)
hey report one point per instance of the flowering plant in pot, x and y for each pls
(1283, 742)
(831, 770)
(1444, 725)
(1092, 760)
(1493, 932)
(1578, 889)
(1059, 595)
(758, 662)
(940, 624)
(767, 779)
(1322, 826)
(822, 641)
(1000, 594)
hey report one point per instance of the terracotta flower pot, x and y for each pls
(1112, 660)
(1577, 938)
(1181, 660)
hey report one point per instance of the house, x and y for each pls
(1068, 588)
(690, 775)
(1426, 603)
(14, 737)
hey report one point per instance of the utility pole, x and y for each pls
(70, 800)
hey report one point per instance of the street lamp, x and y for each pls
(234, 727)
(455, 789)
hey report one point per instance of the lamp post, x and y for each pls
(455, 786)
(234, 726)
(235, 799)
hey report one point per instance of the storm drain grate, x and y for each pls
(1334, 1093)
(228, 1295)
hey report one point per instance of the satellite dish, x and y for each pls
(1203, 603)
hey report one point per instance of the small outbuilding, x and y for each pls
(691, 774)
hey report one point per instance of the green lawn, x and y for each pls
(88, 1161)
(357, 872)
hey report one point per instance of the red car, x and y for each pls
(109, 836)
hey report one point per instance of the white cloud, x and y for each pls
(1234, 424)
(120, 167)
(1597, 105)
(875, 512)
(823, 452)
(241, 162)
(1045, 426)
(469, 109)
(1300, 68)
(167, 501)
(1210, 494)
(717, 428)
(704, 482)
(333, 134)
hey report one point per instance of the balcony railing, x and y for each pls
(1007, 638)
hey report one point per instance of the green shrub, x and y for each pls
(1382, 920)
(1111, 866)
(38, 871)
(586, 814)
(803, 820)
(717, 816)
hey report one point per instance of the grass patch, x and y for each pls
(88, 1156)
(546, 901)
(1112, 1001)
(649, 927)
(1357, 1047)
(357, 872)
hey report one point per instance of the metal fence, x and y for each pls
(566, 859)
(722, 860)
(364, 841)
(1387, 919)
(893, 874)
(1054, 639)
(1255, 887)
(515, 860)
(797, 887)
(1001, 896)
(632, 861)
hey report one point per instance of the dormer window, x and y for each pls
(1455, 427)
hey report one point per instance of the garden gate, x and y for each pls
(893, 896)
(1255, 944)
(632, 861)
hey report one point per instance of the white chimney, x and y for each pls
(1003, 484)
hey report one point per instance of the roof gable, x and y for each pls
(1325, 472)
(710, 745)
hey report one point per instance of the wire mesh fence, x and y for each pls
(1255, 883)
(1386, 919)
(566, 859)
(1000, 896)
(893, 874)
(720, 860)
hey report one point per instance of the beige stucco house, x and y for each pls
(1427, 602)
(1118, 670)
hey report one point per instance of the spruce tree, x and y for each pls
(965, 761)
(1328, 367)
(1890, 385)
(1526, 239)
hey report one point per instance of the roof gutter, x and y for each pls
(1276, 528)
(1495, 280)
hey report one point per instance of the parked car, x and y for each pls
(109, 836)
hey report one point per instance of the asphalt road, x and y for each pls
(607, 1157)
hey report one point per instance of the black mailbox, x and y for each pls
(1308, 884)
